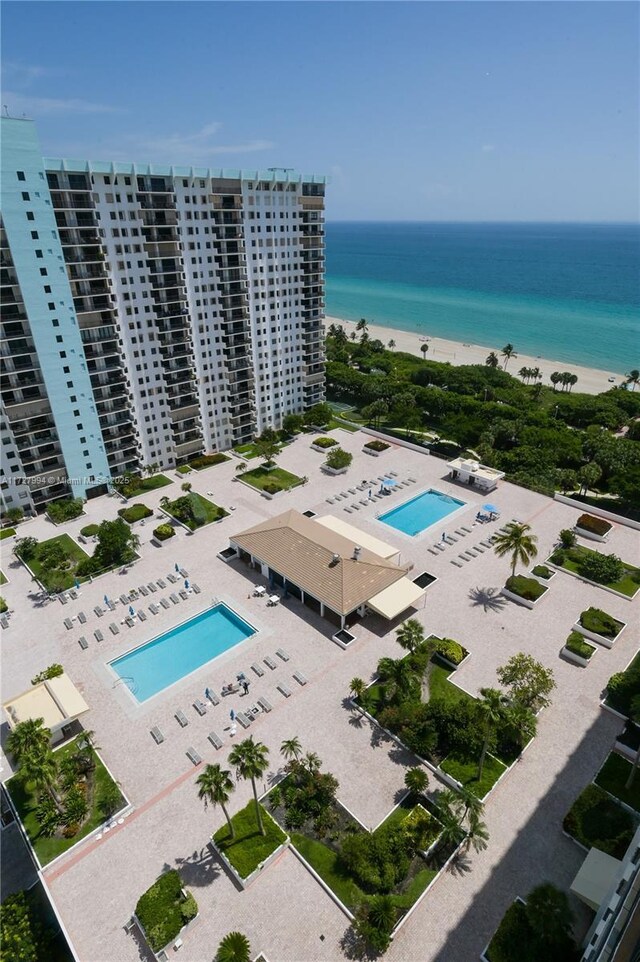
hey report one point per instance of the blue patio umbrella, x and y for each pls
(186, 583)
(389, 483)
(491, 508)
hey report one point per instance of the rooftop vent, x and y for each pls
(334, 560)
(356, 552)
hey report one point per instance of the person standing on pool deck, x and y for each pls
(444, 536)
(232, 716)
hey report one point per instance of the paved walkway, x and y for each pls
(285, 912)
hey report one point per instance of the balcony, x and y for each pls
(190, 446)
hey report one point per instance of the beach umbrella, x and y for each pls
(131, 611)
(389, 483)
(491, 508)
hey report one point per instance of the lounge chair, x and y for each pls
(477, 547)
(161, 583)
(200, 707)
(73, 594)
(172, 579)
(215, 740)
(463, 557)
(157, 735)
(111, 605)
(393, 474)
(141, 615)
(439, 547)
(98, 611)
(284, 690)
(152, 587)
(281, 653)
(456, 563)
(84, 644)
(364, 502)
(432, 551)
(184, 573)
(258, 670)
(196, 589)
(113, 628)
(299, 677)
(68, 624)
(143, 591)
(4, 621)
(153, 608)
(264, 704)
(193, 756)
(468, 530)
(63, 599)
(243, 719)
(348, 510)
(213, 698)
(270, 663)
(231, 689)
(329, 500)
(124, 599)
(487, 544)
(351, 490)
(164, 603)
(174, 598)
(98, 635)
(181, 718)
(129, 621)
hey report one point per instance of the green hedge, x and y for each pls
(527, 588)
(576, 643)
(597, 820)
(324, 442)
(595, 525)
(163, 910)
(163, 532)
(135, 513)
(542, 571)
(451, 650)
(65, 510)
(89, 530)
(377, 445)
(623, 687)
(594, 619)
(208, 460)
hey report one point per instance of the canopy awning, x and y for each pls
(57, 701)
(395, 599)
(595, 878)
(358, 537)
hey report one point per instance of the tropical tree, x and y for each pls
(634, 716)
(633, 377)
(527, 681)
(398, 675)
(548, 914)
(424, 347)
(186, 486)
(251, 760)
(525, 374)
(492, 359)
(29, 737)
(491, 710)
(461, 811)
(589, 475)
(267, 445)
(416, 780)
(391, 344)
(42, 770)
(374, 411)
(374, 921)
(235, 947)
(312, 763)
(362, 325)
(215, 786)
(517, 542)
(357, 687)
(572, 380)
(555, 378)
(410, 635)
(508, 352)
(291, 749)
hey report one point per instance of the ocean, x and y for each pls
(570, 292)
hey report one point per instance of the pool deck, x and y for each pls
(285, 913)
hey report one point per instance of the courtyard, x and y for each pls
(284, 912)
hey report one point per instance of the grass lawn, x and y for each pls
(6, 533)
(626, 586)
(466, 772)
(26, 803)
(249, 848)
(613, 777)
(326, 863)
(441, 687)
(595, 819)
(72, 550)
(207, 461)
(140, 485)
(342, 425)
(249, 451)
(204, 511)
(278, 478)
(3, 578)
(136, 512)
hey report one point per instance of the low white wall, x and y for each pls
(600, 512)
(389, 439)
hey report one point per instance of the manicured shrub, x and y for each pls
(160, 910)
(3, 606)
(89, 530)
(577, 644)
(377, 445)
(207, 460)
(271, 488)
(65, 510)
(594, 619)
(567, 538)
(623, 687)
(51, 672)
(605, 569)
(163, 532)
(542, 571)
(324, 442)
(338, 458)
(136, 512)
(558, 557)
(527, 588)
(595, 819)
(451, 650)
(595, 525)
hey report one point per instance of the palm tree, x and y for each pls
(525, 373)
(573, 379)
(398, 675)
(291, 749)
(416, 780)
(250, 760)
(536, 373)
(410, 635)
(424, 348)
(549, 915)
(391, 344)
(589, 475)
(517, 542)
(235, 947)
(507, 353)
(492, 359)
(214, 788)
(491, 709)
(362, 325)
(186, 487)
(357, 687)
(42, 770)
(633, 377)
(312, 762)
(555, 378)
(29, 738)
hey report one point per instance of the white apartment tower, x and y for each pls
(193, 298)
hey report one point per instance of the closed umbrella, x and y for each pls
(177, 566)
(106, 600)
(186, 584)
(131, 611)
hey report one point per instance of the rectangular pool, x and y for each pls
(154, 666)
(421, 512)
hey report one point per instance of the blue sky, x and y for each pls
(417, 111)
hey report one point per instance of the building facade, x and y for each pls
(187, 314)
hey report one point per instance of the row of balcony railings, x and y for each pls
(34, 439)
(68, 182)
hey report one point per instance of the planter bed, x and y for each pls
(335, 471)
(270, 481)
(527, 592)
(248, 852)
(204, 512)
(73, 551)
(376, 448)
(599, 821)
(138, 485)
(323, 444)
(577, 650)
(568, 560)
(343, 638)
(164, 911)
(543, 574)
(596, 529)
(74, 508)
(163, 533)
(515, 940)
(425, 580)
(7, 533)
(620, 696)
(628, 741)
(597, 625)
(613, 776)
(208, 461)
(465, 772)
(135, 513)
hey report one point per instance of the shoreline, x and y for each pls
(590, 380)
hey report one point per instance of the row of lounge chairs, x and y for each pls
(474, 550)
(140, 615)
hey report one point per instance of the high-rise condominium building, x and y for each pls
(150, 313)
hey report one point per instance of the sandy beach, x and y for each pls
(590, 380)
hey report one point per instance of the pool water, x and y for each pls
(421, 512)
(154, 666)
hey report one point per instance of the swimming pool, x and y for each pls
(154, 666)
(421, 512)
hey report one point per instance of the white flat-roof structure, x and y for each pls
(57, 701)
(594, 878)
(476, 475)
(395, 599)
(359, 537)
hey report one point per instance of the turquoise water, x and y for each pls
(165, 660)
(569, 292)
(421, 512)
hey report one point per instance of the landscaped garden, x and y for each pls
(60, 796)
(65, 510)
(134, 513)
(603, 569)
(529, 589)
(29, 929)
(600, 623)
(270, 480)
(193, 510)
(593, 525)
(535, 930)
(54, 562)
(207, 461)
(541, 571)
(617, 777)
(577, 645)
(134, 484)
(6, 533)
(623, 687)
(163, 532)
(3, 578)
(376, 446)
(248, 847)
(323, 443)
(165, 909)
(597, 820)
